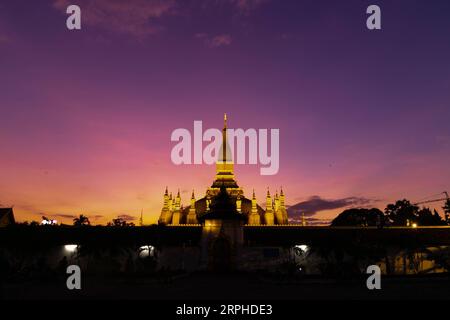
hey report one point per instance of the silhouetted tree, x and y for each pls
(359, 217)
(81, 221)
(401, 212)
(426, 218)
(120, 222)
(446, 208)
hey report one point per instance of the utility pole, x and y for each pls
(447, 201)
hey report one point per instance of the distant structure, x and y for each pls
(6, 217)
(141, 219)
(249, 211)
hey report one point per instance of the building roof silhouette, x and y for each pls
(6, 217)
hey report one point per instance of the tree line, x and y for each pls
(400, 213)
(82, 221)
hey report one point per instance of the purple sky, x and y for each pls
(87, 115)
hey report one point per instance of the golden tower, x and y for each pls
(269, 216)
(166, 212)
(225, 167)
(192, 215)
(254, 218)
(173, 213)
(176, 218)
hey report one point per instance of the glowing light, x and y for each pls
(414, 225)
(302, 247)
(49, 222)
(146, 251)
(71, 247)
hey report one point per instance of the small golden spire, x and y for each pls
(224, 120)
(254, 197)
(192, 197)
(166, 192)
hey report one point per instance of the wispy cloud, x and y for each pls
(4, 37)
(216, 41)
(126, 217)
(72, 216)
(97, 216)
(138, 18)
(311, 221)
(220, 41)
(63, 215)
(316, 204)
(141, 18)
(246, 6)
(242, 7)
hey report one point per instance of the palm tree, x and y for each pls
(81, 221)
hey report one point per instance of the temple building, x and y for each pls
(222, 217)
(173, 213)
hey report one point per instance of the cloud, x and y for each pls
(220, 40)
(4, 35)
(310, 221)
(201, 35)
(65, 216)
(315, 204)
(126, 217)
(73, 216)
(142, 197)
(137, 18)
(141, 18)
(245, 7)
(236, 7)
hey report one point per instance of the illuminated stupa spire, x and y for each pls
(224, 191)
(225, 154)
(176, 217)
(224, 164)
(281, 215)
(254, 218)
(269, 214)
(192, 215)
(166, 212)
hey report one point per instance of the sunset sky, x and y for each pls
(86, 116)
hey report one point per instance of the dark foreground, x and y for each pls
(205, 286)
